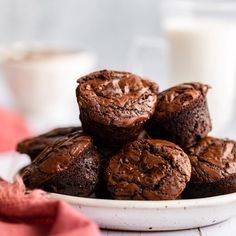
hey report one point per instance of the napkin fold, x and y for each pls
(33, 213)
(13, 129)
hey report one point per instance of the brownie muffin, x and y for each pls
(114, 106)
(181, 115)
(70, 166)
(148, 169)
(34, 146)
(213, 168)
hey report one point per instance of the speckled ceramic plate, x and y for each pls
(154, 215)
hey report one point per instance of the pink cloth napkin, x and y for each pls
(24, 213)
(12, 129)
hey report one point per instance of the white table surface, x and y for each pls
(227, 228)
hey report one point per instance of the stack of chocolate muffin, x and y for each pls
(135, 143)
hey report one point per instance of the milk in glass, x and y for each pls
(203, 49)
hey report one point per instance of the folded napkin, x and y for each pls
(33, 213)
(12, 129)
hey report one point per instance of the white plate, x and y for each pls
(154, 215)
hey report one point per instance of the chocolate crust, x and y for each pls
(185, 121)
(115, 105)
(148, 169)
(34, 146)
(70, 166)
(213, 163)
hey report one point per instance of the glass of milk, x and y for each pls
(202, 46)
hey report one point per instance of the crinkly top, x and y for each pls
(116, 98)
(34, 146)
(148, 169)
(180, 96)
(212, 159)
(58, 157)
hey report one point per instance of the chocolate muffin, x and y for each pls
(114, 106)
(181, 115)
(148, 169)
(34, 146)
(213, 168)
(69, 166)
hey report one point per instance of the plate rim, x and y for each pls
(146, 204)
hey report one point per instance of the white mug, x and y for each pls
(43, 81)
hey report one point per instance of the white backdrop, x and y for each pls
(107, 27)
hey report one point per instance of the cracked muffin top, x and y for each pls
(35, 145)
(116, 98)
(148, 169)
(178, 97)
(212, 159)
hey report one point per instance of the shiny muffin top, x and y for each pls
(148, 169)
(181, 96)
(116, 98)
(35, 145)
(58, 156)
(212, 159)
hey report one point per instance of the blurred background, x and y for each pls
(45, 46)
